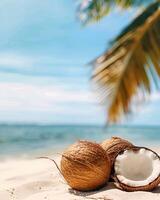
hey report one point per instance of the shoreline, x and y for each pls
(30, 179)
(51, 153)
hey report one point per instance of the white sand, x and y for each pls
(39, 179)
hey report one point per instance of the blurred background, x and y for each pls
(46, 97)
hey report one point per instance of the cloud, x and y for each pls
(149, 112)
(13, 60)
(155, 96)
(18, 96)
(41, 65)
(23, 102)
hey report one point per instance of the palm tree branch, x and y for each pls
(139, 20)
(116, 70)
(141, 32)
(95, 10)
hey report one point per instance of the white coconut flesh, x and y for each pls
(137, 168)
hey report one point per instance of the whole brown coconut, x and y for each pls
(114, 146)
(85, 166)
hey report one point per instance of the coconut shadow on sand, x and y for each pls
(110, 186)
(88, 194)
(157, 190)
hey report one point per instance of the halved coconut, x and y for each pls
(114, 146)
(85, 166)
(137, 169)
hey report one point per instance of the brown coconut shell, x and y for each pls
(114, 146)
(85, 166)
(148, 187)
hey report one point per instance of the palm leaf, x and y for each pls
(128, 66)
(93, 10)
(139, 20)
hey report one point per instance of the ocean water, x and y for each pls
(30, 140)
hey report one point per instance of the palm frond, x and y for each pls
(129, 65)
(139, 20)
(93, 10)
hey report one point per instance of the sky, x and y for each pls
(44, 76)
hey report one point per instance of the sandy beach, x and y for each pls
(39, 179)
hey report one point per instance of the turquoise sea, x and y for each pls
(29, 140)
